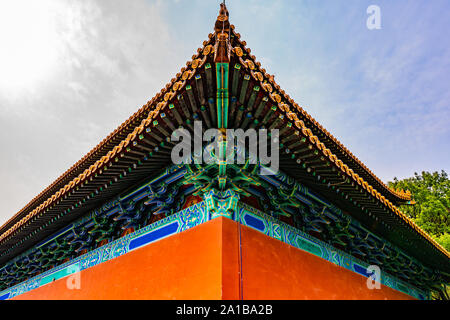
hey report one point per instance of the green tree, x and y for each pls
(430, 208)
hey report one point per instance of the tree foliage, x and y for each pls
(431, 211)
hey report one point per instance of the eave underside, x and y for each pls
(194, 99)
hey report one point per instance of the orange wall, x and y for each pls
(184, 266)
(205, 263)
(275, 270)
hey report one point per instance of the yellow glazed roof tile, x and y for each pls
(154, 107)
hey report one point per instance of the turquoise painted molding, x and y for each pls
(276, 229)
(221, 203)
(194, 216)
(176, 223)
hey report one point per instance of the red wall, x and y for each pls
(183, 266)
(205, 263)
(275, 270)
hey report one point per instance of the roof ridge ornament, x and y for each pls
(222, 33)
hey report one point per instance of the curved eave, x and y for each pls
(88, 160)
(296, 116)
(93, 177)
(327, 138)
(143, 117)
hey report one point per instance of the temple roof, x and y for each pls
(323, 162)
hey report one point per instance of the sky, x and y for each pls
(71, 71)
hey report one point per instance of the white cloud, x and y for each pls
(112, 57)
(383, 93)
